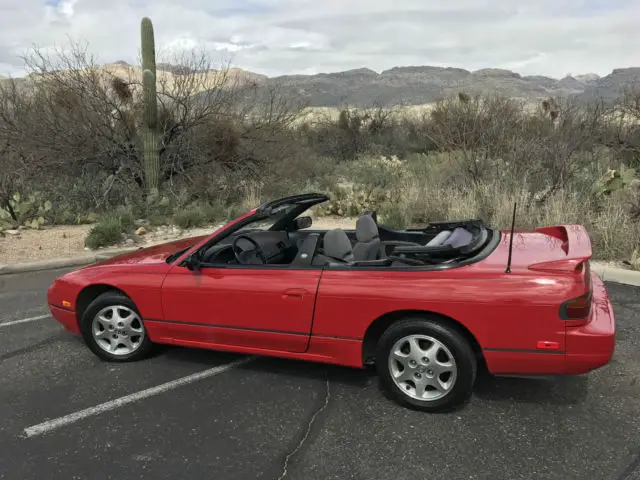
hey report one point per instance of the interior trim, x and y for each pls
(488, 250)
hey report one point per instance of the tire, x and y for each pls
(442, 354)
(120, 325)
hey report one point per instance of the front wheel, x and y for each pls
(113, 329)
(426, 365)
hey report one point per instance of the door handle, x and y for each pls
(295, 292)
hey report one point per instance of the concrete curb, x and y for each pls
(56, 263)
(618, 275)
(607, 273)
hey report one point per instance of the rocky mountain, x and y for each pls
(609, 88)
(587, 78)
(409, 85)
(416, 85)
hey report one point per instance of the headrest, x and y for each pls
(337, 244)
(366, 229)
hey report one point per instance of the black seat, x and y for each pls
(368, 245)
(336, 248)
(306, 250)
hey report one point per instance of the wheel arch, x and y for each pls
(383, 322)
(89, 293)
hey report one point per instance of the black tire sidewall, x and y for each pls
(105, 300)
(452, 338)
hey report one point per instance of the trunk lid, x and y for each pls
(556, 249)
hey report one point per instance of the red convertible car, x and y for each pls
(428, 307)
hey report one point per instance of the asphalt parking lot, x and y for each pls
(271, 419)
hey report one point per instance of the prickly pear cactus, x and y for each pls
(615, 180)
(29, 212)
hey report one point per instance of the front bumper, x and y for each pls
(66, 317)
(592, 345)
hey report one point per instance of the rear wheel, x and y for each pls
(112, 328)
(426, 365)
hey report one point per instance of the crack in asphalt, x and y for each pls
(308, 431)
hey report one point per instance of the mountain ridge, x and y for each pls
(424, 84)
(415, 84)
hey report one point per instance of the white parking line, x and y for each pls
(50, 425)
(24, 320)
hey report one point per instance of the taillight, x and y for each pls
(576, 308)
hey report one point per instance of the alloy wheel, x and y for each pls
(118, 330)
(422, 367)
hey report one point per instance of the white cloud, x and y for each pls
(549, 37)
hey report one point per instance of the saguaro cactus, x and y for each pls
(150, 133)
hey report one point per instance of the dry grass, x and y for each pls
(615, 235)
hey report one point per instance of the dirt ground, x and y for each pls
(68, 241)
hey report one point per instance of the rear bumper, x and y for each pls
(591, 346)
(587, 347)
(66, 317)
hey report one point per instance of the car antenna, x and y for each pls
(513, 226)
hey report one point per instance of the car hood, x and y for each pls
(153, 254)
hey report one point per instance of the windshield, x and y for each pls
(265, 223)
(175, 255)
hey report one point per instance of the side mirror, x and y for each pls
(303, 222)
(192, 262)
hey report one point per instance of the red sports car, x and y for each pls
(428, 307)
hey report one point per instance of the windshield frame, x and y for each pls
(283, 211)
(272, 219)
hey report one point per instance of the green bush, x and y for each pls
(106, 233)
(189, 218)
(234, 211)
(157, 220)
(198, 215)
(110, 229)
(125, 218)
(363, 184)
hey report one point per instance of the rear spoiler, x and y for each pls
(576, 244)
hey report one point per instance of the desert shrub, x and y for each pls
(615, 234)
(125, 217)
(366, 131)
(110, 229)
(234, 211)
(198, 215)
(189, 218)
(156, 220)
(106, 233)
(365, 183)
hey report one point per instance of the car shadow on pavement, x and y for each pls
(202, 357)
(271, 365)
(560, 390)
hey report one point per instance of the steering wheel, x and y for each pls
(238, 252)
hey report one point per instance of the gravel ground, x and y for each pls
(30, 245)
(68, 241)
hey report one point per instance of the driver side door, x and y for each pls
(253, 306)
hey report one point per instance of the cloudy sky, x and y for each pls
(549, 37)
